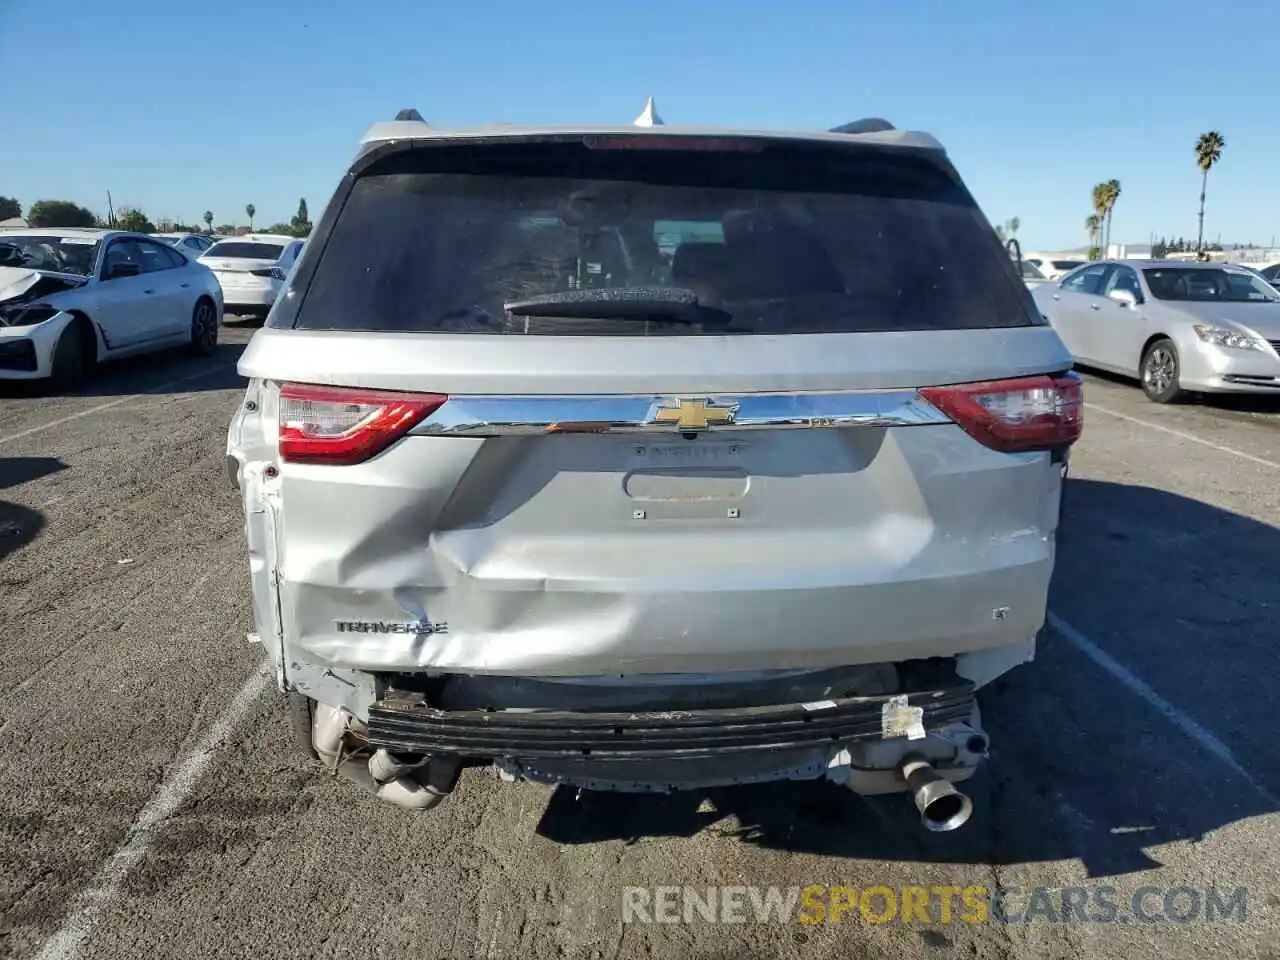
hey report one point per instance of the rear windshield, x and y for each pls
(1068, 264)
(247, 250)
(779, 239)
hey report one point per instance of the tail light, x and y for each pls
(341, 426)
(272, 273)
(1029, 413)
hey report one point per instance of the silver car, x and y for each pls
(650, 458)
(1177, 326)
(192, 244)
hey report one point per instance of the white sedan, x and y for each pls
(252, 269)
(73, 298)
(1054, 268)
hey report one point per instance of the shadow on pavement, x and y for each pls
(146, 373)
(15, 471)
(18, 527)
(1182, 595)
(236, 321)
(1240, 402)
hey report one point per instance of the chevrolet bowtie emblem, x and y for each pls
(696, 414)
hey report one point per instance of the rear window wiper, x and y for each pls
(673, 304)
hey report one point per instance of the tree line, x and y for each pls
(1167, 245)
(64, 213)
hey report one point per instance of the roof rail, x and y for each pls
(865, 125)
(648, 116)
(408, 113)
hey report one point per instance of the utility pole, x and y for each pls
(111, 212)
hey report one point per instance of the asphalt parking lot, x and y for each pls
(151, 804)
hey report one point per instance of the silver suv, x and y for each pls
(651, 458)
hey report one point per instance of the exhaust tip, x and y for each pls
(942, 807)
(949, 811)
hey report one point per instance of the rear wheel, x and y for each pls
(204, 329)
(1160, 370)
(72, 357)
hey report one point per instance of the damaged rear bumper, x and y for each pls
(402, 725)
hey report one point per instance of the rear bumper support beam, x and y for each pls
(407, 725)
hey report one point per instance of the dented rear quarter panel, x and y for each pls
(251, 448)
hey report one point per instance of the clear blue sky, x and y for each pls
(176, 106)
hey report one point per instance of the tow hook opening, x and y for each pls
(942, 806)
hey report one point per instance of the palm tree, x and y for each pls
(208, 220)
(1008, 230)
(1099, 198)
(1111, 194)
(250, 209)
(1093, 223)
(1208, 152)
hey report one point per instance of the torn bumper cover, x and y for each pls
(413, 726)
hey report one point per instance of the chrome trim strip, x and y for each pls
(483, 416)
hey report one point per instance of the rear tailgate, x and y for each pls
(568, 496)
(244, 274)
(244, 263)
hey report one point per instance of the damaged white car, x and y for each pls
(649, 458)
(72, 298)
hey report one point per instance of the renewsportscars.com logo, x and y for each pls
(817, 903)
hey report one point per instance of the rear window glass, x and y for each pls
(247, 250)
(1068, 264)
(785, 239)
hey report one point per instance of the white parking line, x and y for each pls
(115, 403)
(1182, 434)
(174, 789)
(1175, 716)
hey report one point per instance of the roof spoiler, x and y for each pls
(865, 125)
